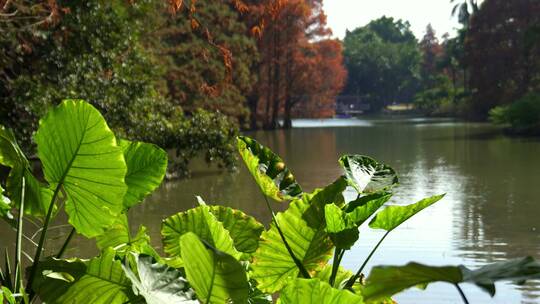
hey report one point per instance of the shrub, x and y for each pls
(522, 116)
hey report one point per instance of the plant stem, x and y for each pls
(462, 294)
(298, 263)
(41, 242)
(338, 255)
(359, 272)
(18, 244)
(66, 242)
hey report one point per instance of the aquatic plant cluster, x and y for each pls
(211, 253)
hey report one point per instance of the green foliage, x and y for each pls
(304, 291)
(146, 168)
(383, 62)
(393, 216)
(99, 280)
(273, 177)
(522, 116)
(79, 154)
(158, 284)
(389, 280)
(303, 226)
(215, 276)
(367, 175)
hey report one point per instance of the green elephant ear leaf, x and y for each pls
(80, 155)
(362, 208)
(315, 291)
(244, 230)
(273, 177)
(303, 226)
(158, 283)
(119, 238)
(515, 270)
(100, 280)
(215, 276)
(384, 281)
(37, 196)
(11, 154)
(201, 222)
(393, 216)
(341, 278)
(367, 175)
(146, 168)
(342, 229)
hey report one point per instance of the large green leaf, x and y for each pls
(215, 276)
(515, 270)
(244, 229)
(11, 154)
(303, 225)
(393, 216)
(342, 224)
(79, 153)
(342, 229)
(37, 196)
(100, 280)
(362, 208)
(385, 281)
(342, 276)
(119, 238)
(268, 169)
(158, 283)
(367, 175)
(146, 167)
(315, 291)
(203, 223)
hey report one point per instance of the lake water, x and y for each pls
(490, 213)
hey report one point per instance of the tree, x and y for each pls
(104, 52)
(503, 56)
(383, 60)
(197, 76)
(291, 35)
(431, 53)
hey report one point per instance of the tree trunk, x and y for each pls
(277, 79)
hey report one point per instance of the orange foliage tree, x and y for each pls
(301, 69)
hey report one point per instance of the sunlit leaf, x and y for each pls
(37, 196)
(367, 175)
(315, 291)
(119, 238)
(215, 276)
(79, 152)
(362, 208)
(158, 283)
(146, 167)
(303, 225)
(341, 278)
(342, 229)
(100, 280)
(201, 222)
(393, 216)
(244, 229)
(273, 177)
(385, 281)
